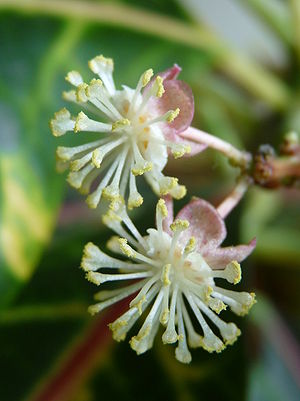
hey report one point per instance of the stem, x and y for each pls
(249, 74)
(43, 312)
(295, 11)
(80, 362)
(231, 201)
(237, 157)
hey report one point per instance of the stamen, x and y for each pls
(94, 198)
(161, 214)
(104, 68)
(142, 295)
(170, 335)
(181, 352)
(74, 78)
(76, 178)
(100, 153)
(229, 331)
(94, 259)
(123, 324)
(108, 298)
(84, 123)
(100, 278)
(190, 246)
(80, 93)
(120, 124)
(194, 339)
(135, 198)
(141, 165)
(61, 123)
(210, 341)
(112, 192)
(140, 343)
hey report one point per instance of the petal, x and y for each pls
(220, 257)
(170, 73)
(177, 94)
(169, 219)
(206, 225)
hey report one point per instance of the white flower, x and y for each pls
(172, 272)
(137, 129)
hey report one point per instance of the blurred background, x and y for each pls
(242, 60)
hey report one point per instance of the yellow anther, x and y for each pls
(102, 61)
(97, 157)
(216, 305)
(172, 115)
(60, 116)
(139, 304)
(178, 192)
(162, 208)
(233, 272)
(179, 151)
(141, 169)
(69, 96)
(207, 293)
(125, 248)
(81, 92)
(160, 90)
(179, 225)
(120, 124)
(74, 78)
(110, 217)
(80, 119)
(135, 201)
(93, 309)
(92, 277)
(146, 77)
(92, 90)
(167, 184)
(165, 278)
(190, 246)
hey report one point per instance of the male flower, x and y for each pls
(174, 272)
(135, 129)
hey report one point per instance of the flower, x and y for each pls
(173, 270)
(140, 126)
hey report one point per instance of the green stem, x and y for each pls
(25, 313)
(295, 11)
(253, 77)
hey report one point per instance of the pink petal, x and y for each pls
(169, 219)
(206, 225)
(170, 73)
(177, 94)
(220, 257)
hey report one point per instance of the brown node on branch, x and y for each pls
(272, 171)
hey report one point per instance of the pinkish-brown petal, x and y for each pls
(170, 73)
(177, 94)
(220, 257)
(169, 219)
(206, 225)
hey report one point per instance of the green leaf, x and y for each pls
(30, 188)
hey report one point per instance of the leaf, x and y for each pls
(30, 188)
(275, 372)
(269, 217)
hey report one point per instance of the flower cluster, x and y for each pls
(138, 128)
(174, 271)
